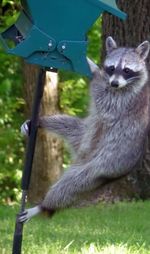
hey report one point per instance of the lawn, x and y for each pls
(122, 228)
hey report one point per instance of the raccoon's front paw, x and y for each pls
(92, 65)
(25, 128)
(104, 76)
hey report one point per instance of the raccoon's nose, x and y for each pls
(115, 83)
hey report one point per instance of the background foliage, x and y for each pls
(73, 100)
(11, 112)
(121, 228)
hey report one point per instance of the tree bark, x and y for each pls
(47, 163)
(130, 32)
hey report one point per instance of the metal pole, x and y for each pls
(17, 241)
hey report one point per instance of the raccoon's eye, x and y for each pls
(126, 70)
(112, 68)
(109, 69)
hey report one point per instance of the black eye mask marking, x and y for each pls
(126, 73)
(109, 70)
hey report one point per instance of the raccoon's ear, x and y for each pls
(110, 44)
(143, 49)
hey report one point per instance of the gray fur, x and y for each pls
(109, 142)
(71, 128)
(133, 59)
(143, 49)
(110, 44)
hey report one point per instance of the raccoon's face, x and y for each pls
(125, 67)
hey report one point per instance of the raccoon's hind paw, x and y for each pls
(28, 214)
(23, 217)
(25, 128)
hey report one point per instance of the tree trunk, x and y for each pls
(130, 33)
(47, 164)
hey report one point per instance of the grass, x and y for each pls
(122, 228)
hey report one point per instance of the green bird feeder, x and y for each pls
(52, 33)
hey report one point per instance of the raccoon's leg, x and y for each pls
(111, 162)
(71, 128)
(105, 164)
(79, 179)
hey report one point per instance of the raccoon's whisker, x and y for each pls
(133, 78)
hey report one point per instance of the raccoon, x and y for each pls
(108, 143)
(125, 66)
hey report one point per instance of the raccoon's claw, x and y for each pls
(23, 217)
(26, 215)
(25, 128)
